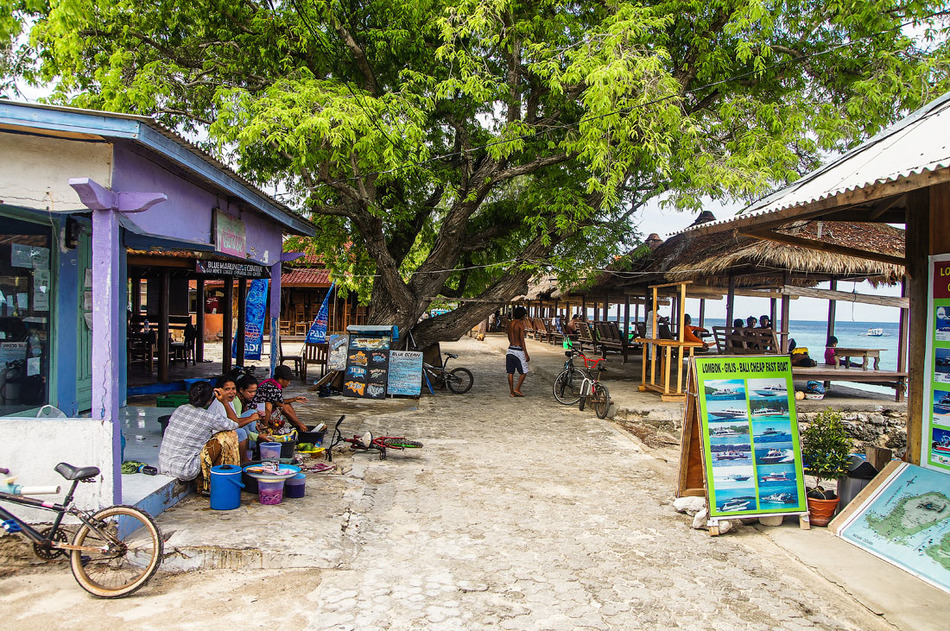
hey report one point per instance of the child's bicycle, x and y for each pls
(368, 442)
(114, 552)
(578, 384)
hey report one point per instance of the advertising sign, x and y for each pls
(230, 268)
(229, 234)
(256, 310)
(405, 373)
(318, 330)
(367, 366)
(935, 442)
(749, 430)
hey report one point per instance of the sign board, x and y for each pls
(231, 268)
(405, 373)
(748, 431)
(367, 366)
(903, 517)
(230, 236)
(255, 310)
(935, 442)
(338, 345)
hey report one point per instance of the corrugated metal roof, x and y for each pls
(117, 125)
(917, 144)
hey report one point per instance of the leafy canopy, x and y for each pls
(462, 145)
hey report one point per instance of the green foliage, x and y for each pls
(826, 446)
(460, 143)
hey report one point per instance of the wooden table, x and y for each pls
(863, 353)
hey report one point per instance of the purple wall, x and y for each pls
(187, 213)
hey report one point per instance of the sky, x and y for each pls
(665, 222)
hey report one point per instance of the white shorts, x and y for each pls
(515, 361)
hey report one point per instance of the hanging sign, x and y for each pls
(255, 313)
(749, 434)
(935, 442)
(230, 268)
(230, 236)
(318, 330)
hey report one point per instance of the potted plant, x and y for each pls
(826, 450)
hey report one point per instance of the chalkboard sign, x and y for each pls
(367, 366)
(337, 354)
(405, 373)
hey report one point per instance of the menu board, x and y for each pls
(750, 439)
(935, 442)
(338, 344)
(367, 366)
(405, 373)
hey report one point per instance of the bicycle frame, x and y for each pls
(62, 510)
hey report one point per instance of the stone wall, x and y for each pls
(880, 428)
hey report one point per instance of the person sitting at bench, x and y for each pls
(690, 333)
(800, 355)
(832, 360)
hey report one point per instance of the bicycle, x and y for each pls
(368, 442)
(575, 384)
(114, 552)
(458, 380)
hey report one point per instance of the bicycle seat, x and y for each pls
(452, 355)
(70, 472)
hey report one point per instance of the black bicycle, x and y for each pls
(458, 380)
(114, 552)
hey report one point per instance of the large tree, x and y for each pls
(455, 147)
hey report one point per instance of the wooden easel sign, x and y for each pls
(743, 415)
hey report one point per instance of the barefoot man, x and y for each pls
(517, 357)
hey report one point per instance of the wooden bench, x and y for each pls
(585, 335)
(555, 335)
(610, 337)
(892, 378)
(744, 341)
(314, 355)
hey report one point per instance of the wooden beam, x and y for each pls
(821, 246)
(845, 296)
(918, 251)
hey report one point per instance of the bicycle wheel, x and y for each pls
(459, 380)
(600, 397)
(132, 545)
(402, 443)
(567, 390)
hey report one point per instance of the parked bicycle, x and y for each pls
(114, 552)
(368, 442)
(458, 380)
(576, 384)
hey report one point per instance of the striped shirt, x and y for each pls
(189, 429)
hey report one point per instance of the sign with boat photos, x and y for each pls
(935, 442)
(749, 436)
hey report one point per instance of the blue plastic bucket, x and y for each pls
(226, 487)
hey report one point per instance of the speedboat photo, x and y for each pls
(730, 413)
(734, 505)
(773, 455)
(776, 477)
(770, 390)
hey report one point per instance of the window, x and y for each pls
(25, 305)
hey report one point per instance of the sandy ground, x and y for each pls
(517, 514)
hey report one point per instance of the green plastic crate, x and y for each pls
(171, 400)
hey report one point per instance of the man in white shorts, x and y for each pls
(516, 359)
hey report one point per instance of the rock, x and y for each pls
(699, 521)
(689, 505)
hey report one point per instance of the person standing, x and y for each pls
(516, 359)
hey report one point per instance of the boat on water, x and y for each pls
(773, 455)
(730, 413)
(737, 477)
(943, 447)
(770, 390)
(730, 455)
(876, 332)
(779, 498)
(771, 431)
(776, 477)
(943, 405)
(767, 412)
(727, 392)
(725, 431)
(734, 505)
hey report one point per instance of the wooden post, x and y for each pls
(878, 457)
(228, 328)
(242, 318)
(163, 327)
(200, 320)
(136, 295)
(584, 306)
(786, 303)
(702, 314)
(730, 302)
(917, 249)
(902, 337)
(626, 317)
(832, 285)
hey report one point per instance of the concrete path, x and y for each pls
(517, 514)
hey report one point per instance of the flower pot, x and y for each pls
(820, 512)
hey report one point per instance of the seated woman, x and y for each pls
(197, 439)
(232, 407)
(277, 410)
(832, 360)
(692, 333)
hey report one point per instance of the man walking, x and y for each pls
(516, 359)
